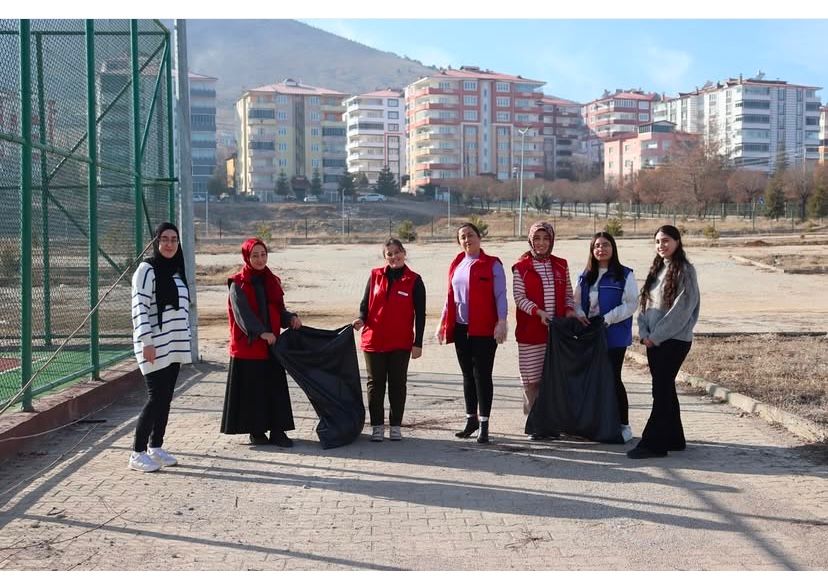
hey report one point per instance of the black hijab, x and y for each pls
(166, 291)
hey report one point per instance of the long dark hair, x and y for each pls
(678, 262)
(615, 267)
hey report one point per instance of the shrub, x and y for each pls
(263, 231)
(406, 231)
(482, 226)
(710, 232)
(614, 227)
(9, 259)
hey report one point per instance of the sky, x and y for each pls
(578, 59)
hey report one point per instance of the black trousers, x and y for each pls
(664, 431)
(152, 422)
(616, 358)
(390, 367)
(476, 356)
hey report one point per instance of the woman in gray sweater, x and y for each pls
(669, 309)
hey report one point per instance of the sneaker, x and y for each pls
(377, 431)
(395, 434)
(161, 456)
(141, 462)
(626, 433)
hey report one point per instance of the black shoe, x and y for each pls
(483, 436)
(258, 439)
(539, 437)
(640, 453)
(472, 425)
(278, 438)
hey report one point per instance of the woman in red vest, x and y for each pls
(256, 399)
(392, 319)
(542, 290)
(474, 318)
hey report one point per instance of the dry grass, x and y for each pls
(796, 263)
(783, 371)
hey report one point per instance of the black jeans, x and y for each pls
(476, 356)
(152, 423)
(393, 368)
(616, 358)
(664, 431)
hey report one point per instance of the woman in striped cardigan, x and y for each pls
(161, 340)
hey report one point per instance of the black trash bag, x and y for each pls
(324, 364)
(577, 392)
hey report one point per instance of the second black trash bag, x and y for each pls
(324, 364)
(577, 393)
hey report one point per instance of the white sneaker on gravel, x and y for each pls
(626, 433)
(161, 456)
(395, 433)
(377, 431)
(141, 462)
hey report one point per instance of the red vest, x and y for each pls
(240, 347)
(529, 329)
(390, 322)
(482, 303)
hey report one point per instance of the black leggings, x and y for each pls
(152, 423)
(616, 357)
(476, 357)
(664, 431)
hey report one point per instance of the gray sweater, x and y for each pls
(676, 322)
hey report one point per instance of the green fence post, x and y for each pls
(92, 178)
(170, 153)
(26, 210)
(136, 135)
(44, 198)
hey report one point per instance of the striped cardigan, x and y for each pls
(172, 343)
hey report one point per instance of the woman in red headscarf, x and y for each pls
(542, 290)
(257, 398)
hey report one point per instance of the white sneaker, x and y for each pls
(377, 431)
(626, 433)
(161, 456)
(395, 434)
(141, 462)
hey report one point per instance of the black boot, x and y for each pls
(472, 424)
(258, 439)
(280, 438)
(483, 436)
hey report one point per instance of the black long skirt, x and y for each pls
(256, 399)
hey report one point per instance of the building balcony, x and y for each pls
(435, 91)
(435, 166)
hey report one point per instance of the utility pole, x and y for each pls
(522, 132)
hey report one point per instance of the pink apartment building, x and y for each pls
(470, 121)
(615, 114)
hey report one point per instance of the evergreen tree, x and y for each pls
(282, 185)
(775, 194)
(346, 184)
(818, 203)
(316, 183)
(362, 181)
(386, 184)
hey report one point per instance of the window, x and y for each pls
(393, 102)
(643, 117)
(444, 85)
(283, 146)
(393, 127)
(315, 116)
(315, 148)
(332, 131)
(502, 86)
(624, 103)
(315, 163)
(393, 115)
(281, 115)
(281, 100)
(313, 100)
(469, 100)
(643, 105)
(470, 115)
(261, 113)
(283, 162)
(470, 86)
(503, 116)
(502, 102)
(314, 131)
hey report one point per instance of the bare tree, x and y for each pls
(654, 186)
(697, 176)
(799, 185)
(746, 185)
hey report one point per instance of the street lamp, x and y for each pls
(522, 132)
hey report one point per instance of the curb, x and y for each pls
(756, 263)
(65, 407)
(799, 426)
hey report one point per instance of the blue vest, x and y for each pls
(610, 294)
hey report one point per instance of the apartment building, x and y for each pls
(470, 121)
(823, 134)
(375, 124)
(290, 127)
(754, 121)
(614, 114)
(625, 155)
(563, 134)
(202, 130)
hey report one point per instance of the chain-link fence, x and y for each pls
(85, 173)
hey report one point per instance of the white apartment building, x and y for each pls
(564, 136)
(294, 128)
(469, 121)
(375, 124)
(823, 134)
(754, 121)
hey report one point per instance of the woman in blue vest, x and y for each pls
(607, 288)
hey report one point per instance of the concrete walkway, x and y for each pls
(744, 495)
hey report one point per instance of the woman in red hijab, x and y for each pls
(257, 398)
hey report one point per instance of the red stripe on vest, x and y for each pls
(389, 325)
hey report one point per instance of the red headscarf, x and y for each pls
(273, 286)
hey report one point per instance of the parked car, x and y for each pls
(370, 197)
(199, 198)
(311, 199)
